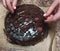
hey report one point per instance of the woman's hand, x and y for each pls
(10, 5)
(56, 16)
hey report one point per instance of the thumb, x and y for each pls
(49, 19)
(51, 8)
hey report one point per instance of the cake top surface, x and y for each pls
(26, 24)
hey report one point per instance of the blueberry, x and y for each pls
(17, 37)
(12, 28)
(25, 38)
(14, 35)
(16, 29)
(11, 24)
(20, 24)
(21, 38)
(11, 33)
(21, 34)
(33, 37)
(8, 29)
(19, 29)
(28, 36)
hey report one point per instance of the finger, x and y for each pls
(14, 4)
(49, 19)
(54, 4)
(57, 16)
(4, 3)
(53, 18)
(9, 6)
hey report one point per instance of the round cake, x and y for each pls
(26, 25)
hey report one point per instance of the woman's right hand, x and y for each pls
(53, 18)
(10, 5)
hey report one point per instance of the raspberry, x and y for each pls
(39, 29)
(26, 19)
(36, 19)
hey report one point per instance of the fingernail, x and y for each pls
(44, 15)
(14, 7)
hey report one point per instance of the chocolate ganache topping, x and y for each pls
(26, 25)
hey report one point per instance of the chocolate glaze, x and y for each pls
(26, 25)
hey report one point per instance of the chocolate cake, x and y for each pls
(26, 25)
